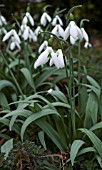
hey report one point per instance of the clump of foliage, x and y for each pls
(44, 85)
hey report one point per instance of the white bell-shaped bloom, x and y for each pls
(44, 57)
(12, 33)
(14, 43)
(38, 30)
(27, 33)
(44, 18)
(74, 31)
(30, 18)
(57, 59)
(27, 18)
(86, 38)
(43, 46)
(57, 20)
(2, 20)
(58, 31)
(15, 40)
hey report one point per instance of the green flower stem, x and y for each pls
(72, 127)
(72, 91)
(18, 86)
(79, 74)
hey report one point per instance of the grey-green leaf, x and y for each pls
(76, 145)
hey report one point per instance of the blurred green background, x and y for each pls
(92, 9)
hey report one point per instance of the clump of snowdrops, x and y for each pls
(44, 85)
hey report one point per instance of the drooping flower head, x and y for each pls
(28, 18)
(86, 38)
(44, 19)
(74, 32)
(43, 46)
(57, 59)
(2, 20)
(13, 36)
(44, 57)
(58, 31)
(54, 57)
(57, 20)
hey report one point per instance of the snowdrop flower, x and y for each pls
(54, 57)
(58, 31)
(15, 40)
(44, 57)
(57, 20)
(27, 18)
(14, 44)
(57, 59)
(28, 34)
(43, 46)
(44, 18)
(38, 30)
(86, 38)
(12, 33)
(74, 31)
(2, 20)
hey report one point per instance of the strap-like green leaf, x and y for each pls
(94, 139)
(74, 149)
(36, 116)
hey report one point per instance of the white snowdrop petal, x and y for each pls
(55, 60)
(54, 21)
(43, 46)
(16, 36)
(61, 32)
(72, 40)
(85, 35)
(54, 31)
(86, 45)
(48, 17)
(35, 38)
(31, 20)
(51, 62)
(12, 46)
(66, 33)
(80, 35)
(26, 33)
(60, 58)
(3, 19)
(43, 20)
(73, 30)
(24, 21)
(38, 30)
(6, 37)
(42, 59)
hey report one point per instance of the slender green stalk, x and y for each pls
(79, 74)
(72, 91)
(18, 86)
